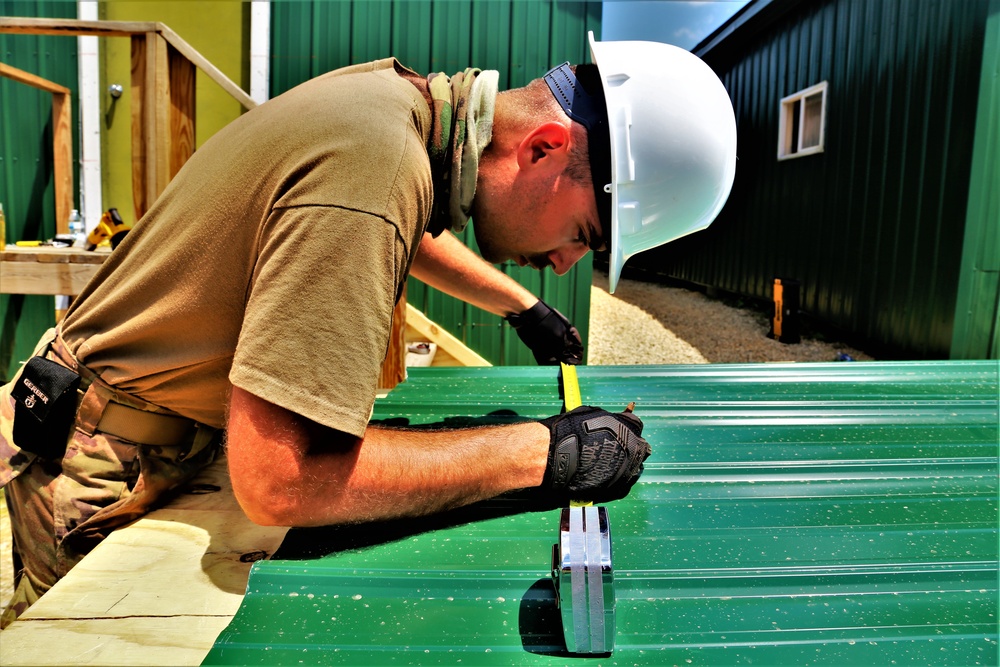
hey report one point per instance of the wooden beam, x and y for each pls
(207, 67)
(48, 270)
(33, 26)
(17, 25)
(32, 80)
(62, 159)
(445, 341)
(37, 278)
(162, 101)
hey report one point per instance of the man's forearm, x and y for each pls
(448, 265)
(287, 470)
(413, 472)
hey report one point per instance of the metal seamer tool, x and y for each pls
(581, 563)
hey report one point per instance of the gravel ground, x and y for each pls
(642, 323)
(645, 323)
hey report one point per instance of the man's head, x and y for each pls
(535, 202)
(670, 164)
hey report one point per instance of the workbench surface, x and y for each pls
(156, 592)
(47, 269)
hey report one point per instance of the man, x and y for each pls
(255, 297)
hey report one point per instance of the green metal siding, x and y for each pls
(26, 176)
(977, 316)
(873, 226)
(519, 39)
(794, 514)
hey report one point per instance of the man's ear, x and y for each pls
(547, 145)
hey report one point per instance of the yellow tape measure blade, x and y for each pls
(572, 400)
(571, 387)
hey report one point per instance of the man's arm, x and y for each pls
(449, 265)
(287, 470)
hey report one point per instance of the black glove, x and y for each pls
(594, 454)
(549, 334)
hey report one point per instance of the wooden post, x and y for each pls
(150, 120)
(182, 110)
(137, 111)
(62, 158)
(156, 107)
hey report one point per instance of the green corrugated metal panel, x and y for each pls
(26, 176)
(977, 315)
(789, 514)
(519, 39)
(873, 226)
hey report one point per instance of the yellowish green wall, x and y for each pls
(219, 30)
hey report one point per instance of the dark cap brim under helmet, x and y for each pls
(581, 96)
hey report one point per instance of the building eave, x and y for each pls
(752, 19)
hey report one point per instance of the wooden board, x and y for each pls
(157, 592)
(422, 328)
(47, 270)
(71, 27)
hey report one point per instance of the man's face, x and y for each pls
(539, 224)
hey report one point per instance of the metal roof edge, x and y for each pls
(748, 21)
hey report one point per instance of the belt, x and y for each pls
(148, 428)
(114, 418)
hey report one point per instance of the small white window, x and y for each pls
(802, 122)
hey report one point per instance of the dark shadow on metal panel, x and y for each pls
(308, 543)
(539, 622)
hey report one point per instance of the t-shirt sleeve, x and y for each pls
(319, 313)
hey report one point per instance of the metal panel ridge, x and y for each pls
(789, 514)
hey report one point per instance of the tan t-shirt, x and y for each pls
(273, 259)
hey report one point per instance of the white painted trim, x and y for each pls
(785, 127)
(88, 48)
(260, 50)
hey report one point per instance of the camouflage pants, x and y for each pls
(61, 509)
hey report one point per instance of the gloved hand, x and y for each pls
(551, 337)
(594, 454)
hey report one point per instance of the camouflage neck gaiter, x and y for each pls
(462, 110)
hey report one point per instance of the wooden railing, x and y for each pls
(62, 138)
(162, 102)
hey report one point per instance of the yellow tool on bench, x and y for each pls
(111, 228)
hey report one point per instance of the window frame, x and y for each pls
(790, 146)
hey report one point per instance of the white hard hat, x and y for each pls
(673, 144)
(669, 125)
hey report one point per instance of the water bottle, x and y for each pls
(77, 230)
